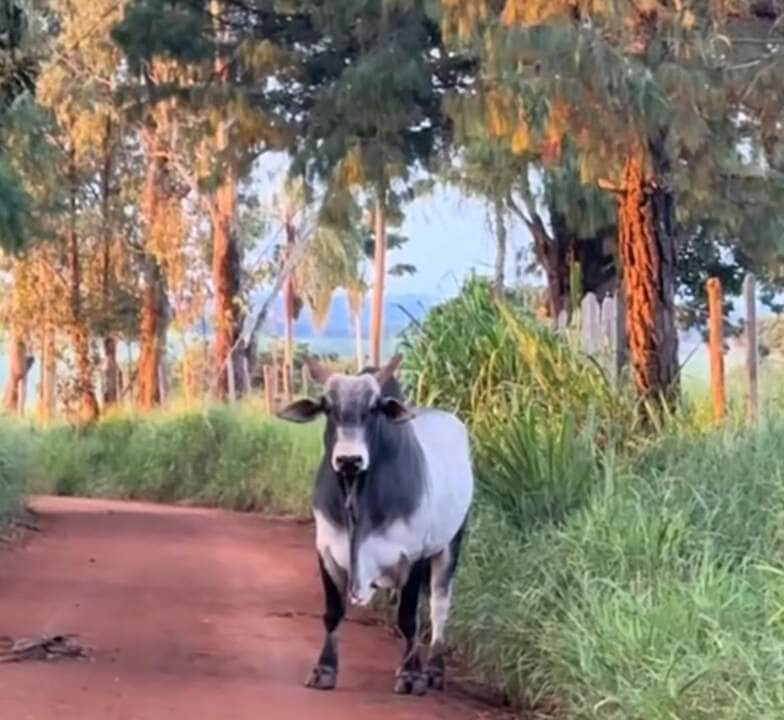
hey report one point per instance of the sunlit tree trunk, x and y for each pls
(110, 368)
(17, 371)
(355, 298)
(151, 320)
(153, 293)
(500, 249)
(225, 273)
(379, 273)
(647, 249)
(80, 339)
(225, 257)
(47, 400)
(359, 351)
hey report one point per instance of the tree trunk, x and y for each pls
(646, 244)
(225, 273)
(47, 399)
(151, 320)
(500, 249)
(153, 307)
(110, 371)
(546, 251)
(288, 316)
(85, 394)
(17, 369)
(225, 253)
(110, 385)
(379, 275)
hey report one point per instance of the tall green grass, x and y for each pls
(540, 412)
(15, 457)
(232, 458)
(661, 598)
(613, 569)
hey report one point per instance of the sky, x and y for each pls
(448, 234)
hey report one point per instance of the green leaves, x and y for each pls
(156, 28)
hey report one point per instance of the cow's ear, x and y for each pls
(302, 411)
(395, 410)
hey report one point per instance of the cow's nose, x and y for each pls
(349, 464)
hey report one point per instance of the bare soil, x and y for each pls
(185, 614)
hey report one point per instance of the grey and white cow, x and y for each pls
(391, 501)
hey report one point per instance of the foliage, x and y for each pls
(690, 89)
(15, 461)
(771, 335)
(489, 361)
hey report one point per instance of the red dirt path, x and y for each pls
(191, 614)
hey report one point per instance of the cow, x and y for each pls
(391, 501)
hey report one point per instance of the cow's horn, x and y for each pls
(389, 369)
(316, 370)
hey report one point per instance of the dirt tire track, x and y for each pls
(193, 614)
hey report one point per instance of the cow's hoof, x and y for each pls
(322, 678)
(411, 682)
(435, 678)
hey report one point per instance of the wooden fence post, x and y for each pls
(716, 326)
(269, 397)
(752, 348)
(305, 381)
(590, 321)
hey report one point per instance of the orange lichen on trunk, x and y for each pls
(647, 250)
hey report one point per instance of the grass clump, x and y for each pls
(661, 598)
(232, 458)
(538, 409)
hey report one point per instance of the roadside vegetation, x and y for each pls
(238, 459)
(611, 571)
(14, 471)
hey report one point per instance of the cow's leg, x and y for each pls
(325, 674)
(409, 677)
(442, 571)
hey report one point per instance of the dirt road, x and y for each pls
(191, 614)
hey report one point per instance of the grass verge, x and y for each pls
(661, 598)
(14, 468)
(237, 459)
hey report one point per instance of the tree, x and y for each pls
(18, 72)
(91, 135)
(220, 68)
(644, 97)
(381, 116)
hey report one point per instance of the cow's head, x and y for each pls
(353, 405)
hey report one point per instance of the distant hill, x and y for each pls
(398, 311)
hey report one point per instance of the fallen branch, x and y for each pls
(43, 647)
